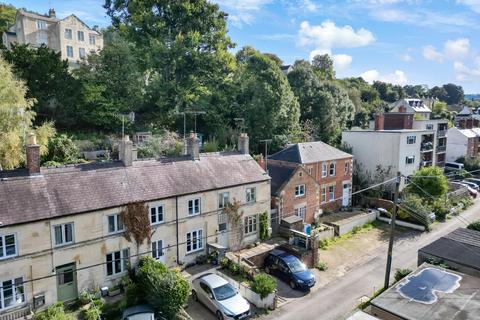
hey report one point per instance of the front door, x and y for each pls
(66, 282)
(223, 235)
(346, 195)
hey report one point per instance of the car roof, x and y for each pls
(141, 308)
(214, 280)
(283, 255)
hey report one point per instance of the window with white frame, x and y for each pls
(81, 53)
(68, 34)
(429, 126)
(300, 190)
(250, 224)
(324, 170)
(12, 293)
(115, 223)
(223, 199)
(411, 139)
(194, 206)
(91, 39)
(331, 192)
(194, 240)
(80, 36)
(324, 194)
(250, 195)
(41, 25)
(332, 169)
(8, 246)
(300, 212)
(117, 261)
(347, 167)
(410, 159)
(42, 37)
(63, 234)
(157, 249)
(156, 214)
(70, 51)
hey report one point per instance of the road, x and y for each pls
(338, 298)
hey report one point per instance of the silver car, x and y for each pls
(220, 296)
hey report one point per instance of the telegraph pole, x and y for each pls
(392, 230)
(195, 113)
(266, 141)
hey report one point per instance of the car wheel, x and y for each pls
(194, 296)
(219, 315)
(293, 285)
(267, 270)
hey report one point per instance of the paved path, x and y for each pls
(338, 298)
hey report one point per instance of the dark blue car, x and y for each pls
(290, 269)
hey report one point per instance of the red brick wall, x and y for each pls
(288, 201)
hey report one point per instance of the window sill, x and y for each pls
(157, 223)
(193, 214)
(8, 257)
(300, 196)
(194, 251)
(116, 275)
(55, 246)
(115, 233)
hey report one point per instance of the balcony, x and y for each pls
(441, 149)
(427, 163)
(441, 133)
(426, 146)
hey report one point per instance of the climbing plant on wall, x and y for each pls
(264, 226)
(137, 222)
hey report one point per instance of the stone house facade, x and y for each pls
(325, 172)
(69, 36)
(62, 231)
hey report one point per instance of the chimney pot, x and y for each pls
(379, 121)
(51, 13)
(33, 154)
(243, 143)
(192, 146)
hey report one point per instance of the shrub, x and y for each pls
(224, 263)
(94, 311)
(61, 149)
(263, 285)
(264, 226)
(166, 290)
(356, 229)
(474, 225)
(401, 273)
(322, 266)
(441, 210)
(54, 312)
(211, 145)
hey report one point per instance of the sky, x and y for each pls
(428, 42)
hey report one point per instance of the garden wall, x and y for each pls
(347, 225)
(403, 223)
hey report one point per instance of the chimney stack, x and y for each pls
(51, 13)
(125, 151)
(243, 143)
(192, 146)
(379, 121)
(33, 155)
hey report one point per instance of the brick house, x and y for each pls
(310, 178)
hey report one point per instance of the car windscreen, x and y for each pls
(224, 292)
(296, 266)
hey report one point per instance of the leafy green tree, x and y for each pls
(16, 118)
(183, 46)
(165, 289)
(323, 67)
(418, 90)
(112, 84)
(438, 93)
(275, 58)
(455, 94)
(49, 82)
(429, 183)
(341, 102)
(263, 284)
(7, 16)
(265, 101)
(61, 149)
(474, 225)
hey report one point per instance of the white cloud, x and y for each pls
(309, 6)
(464, 73)
(457, 49)
(406, 57)
(320, 52)
(341, 62)
(242, 12)
(327, 36)
(473, 4)
(397, 77)
(430, 53)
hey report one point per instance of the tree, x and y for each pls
(474, 225)
(165, 289)
(275, 58)
(323, 67)
(265, 101)
(439, 93)
(50, 84)
(183, 46)
(16, 119)
(61, 149)
(455, 94)
(429, 183)
(416, 91)
(7, 16)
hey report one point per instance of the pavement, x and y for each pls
(338, 298)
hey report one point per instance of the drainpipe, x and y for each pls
(176, 228)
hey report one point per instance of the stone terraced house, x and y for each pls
(61, 230)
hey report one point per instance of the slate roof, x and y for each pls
(83, 188)
(279, 174)
(461, 246)
(309, 152)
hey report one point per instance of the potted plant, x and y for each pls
(214, 257)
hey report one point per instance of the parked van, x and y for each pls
(453, 166)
